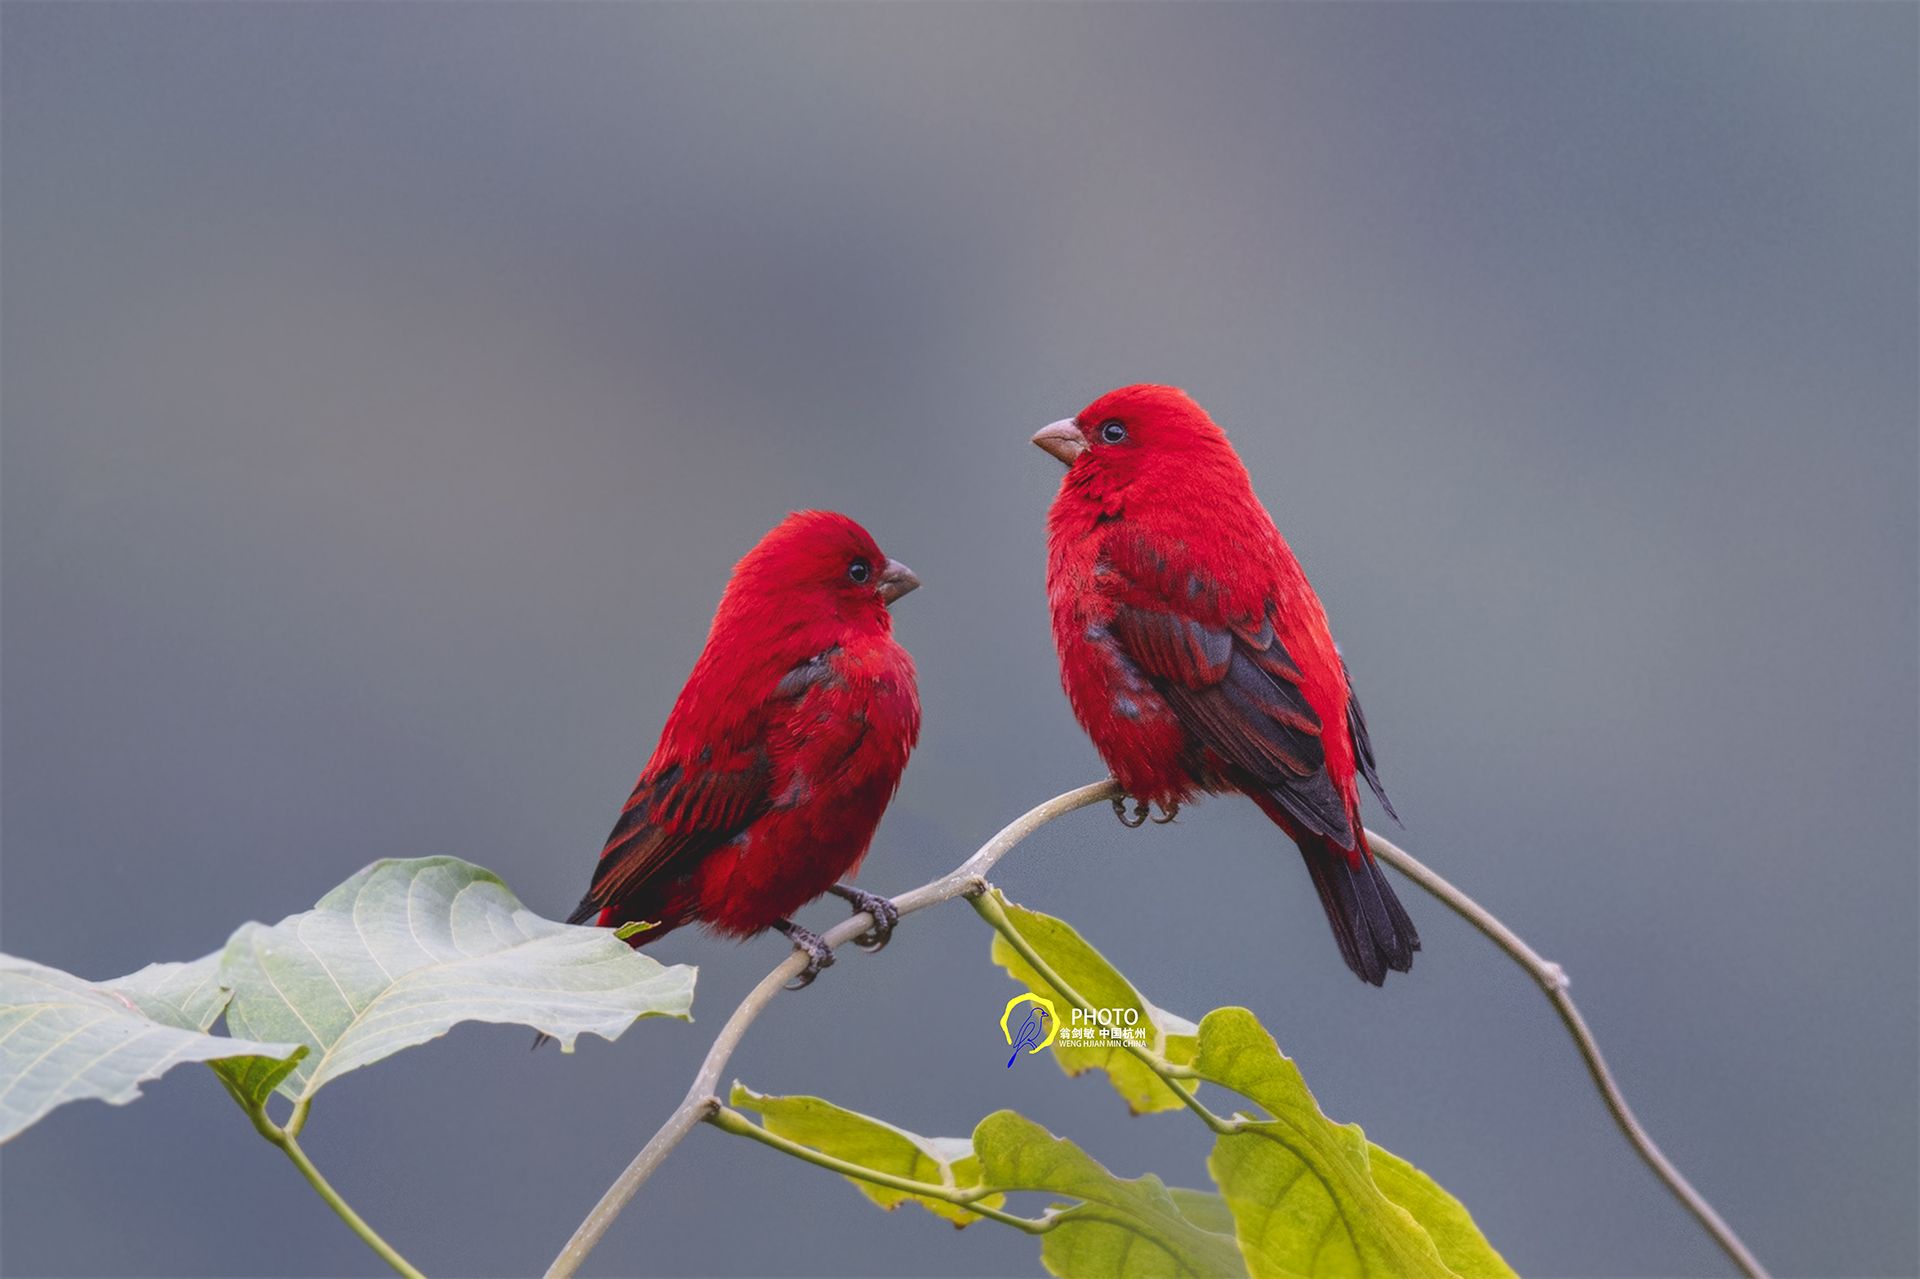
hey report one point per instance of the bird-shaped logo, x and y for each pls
(1036, 1031)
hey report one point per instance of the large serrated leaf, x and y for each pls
(1119, 1229)
(1312, 1198)
(1085, 969)
(871, 1143)
(406, 949)
(66, 1039)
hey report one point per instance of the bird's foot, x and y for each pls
(807, 942)
(885, 916)
(1167, 813)
(1134, 820)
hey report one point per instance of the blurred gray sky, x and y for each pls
(388, 390)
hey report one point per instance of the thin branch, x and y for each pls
(730, 1120)
(1553, 980)
(702, 1100)
(289, 1145)
(969, 880)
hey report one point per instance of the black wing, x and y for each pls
(1237, 690)
(677, 815)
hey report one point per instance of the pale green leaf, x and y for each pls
(406, 949)
(65, 1039)
(1086, 970)
(1118, 1229)
(1303, 1190)
(871, 1143)
(187, 995)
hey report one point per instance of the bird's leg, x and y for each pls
(1167, 813)
(807, 942)
(885, 916)
(1139, 816)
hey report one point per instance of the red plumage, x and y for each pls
(782, 751)
(1196, 655)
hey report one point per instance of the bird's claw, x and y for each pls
(1167, 813)
(807, 942)
(885, 916)
(1136, 819)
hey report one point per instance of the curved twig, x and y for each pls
(702, 1100)
(1553, 980)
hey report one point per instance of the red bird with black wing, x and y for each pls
(781, 753)
(1197, 656)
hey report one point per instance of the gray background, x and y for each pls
(388, 391)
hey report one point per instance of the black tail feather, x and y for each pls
(1369, 923)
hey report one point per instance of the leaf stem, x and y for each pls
(1553, 981)
(727, 1119)
(289, 1144)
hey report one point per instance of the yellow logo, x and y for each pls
(1036, 1032)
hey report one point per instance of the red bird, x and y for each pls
(781, 753)
(1198, 658)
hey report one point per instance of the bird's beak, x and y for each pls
(1062, 439)
(896, 579)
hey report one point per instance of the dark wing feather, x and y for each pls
(670, 820)
(1363, 744)
(676, 815)
(1237, 690)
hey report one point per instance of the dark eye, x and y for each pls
(859, 571)
(1113, 430)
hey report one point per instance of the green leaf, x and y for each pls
(1204, 1208)
(1307, 1198)
(1119, 1229)
(1305, 1192)
(1446, 1220)
(1116, 1229)
(65, 1039)
(252, 1080)
(871, 1143)
(1085, 969)
(405, 950)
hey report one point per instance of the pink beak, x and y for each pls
(1062, 439)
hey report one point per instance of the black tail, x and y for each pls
(1368, 920)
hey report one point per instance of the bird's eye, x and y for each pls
(859, 571)
(1113, 430)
